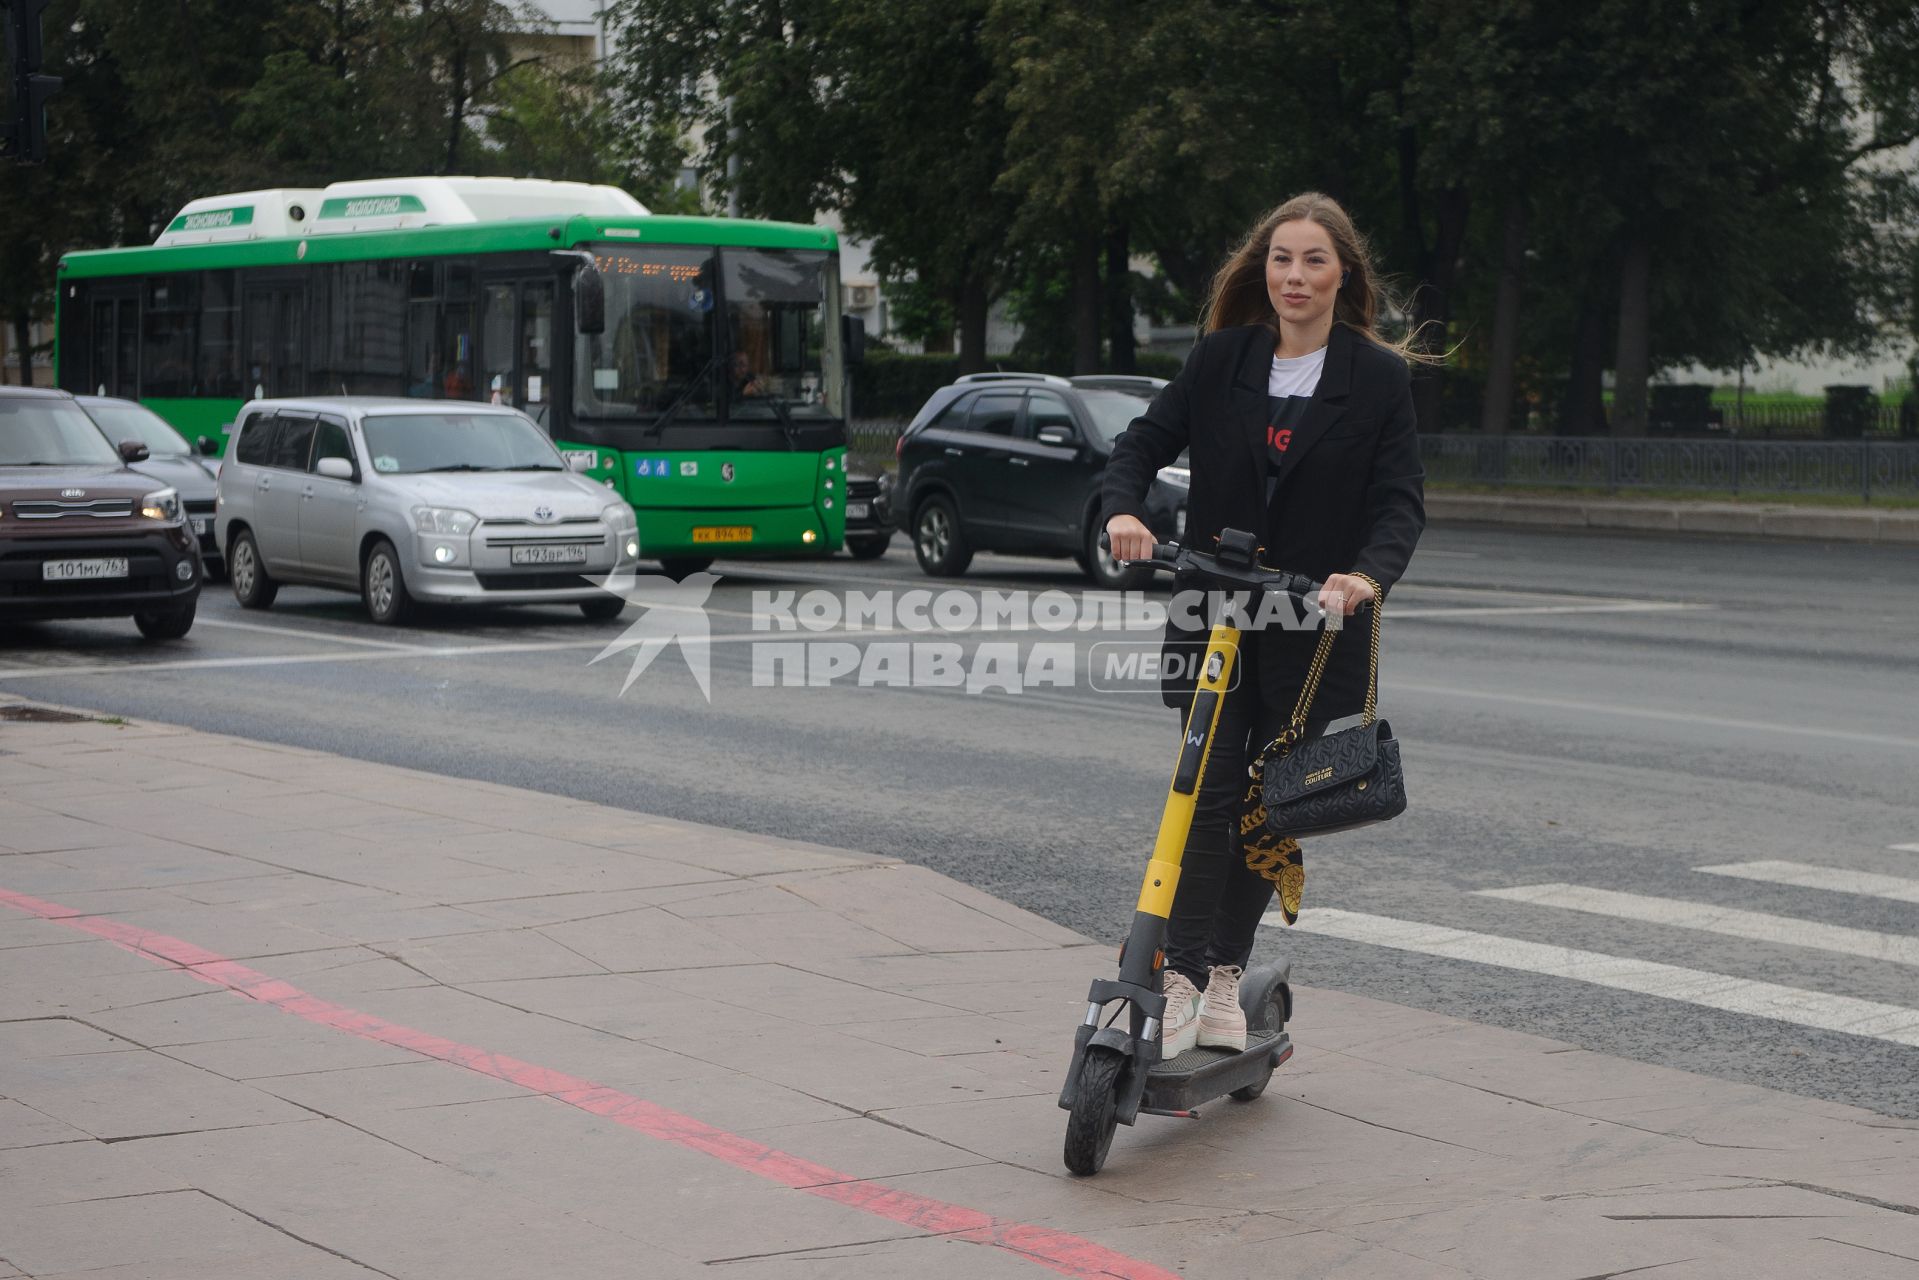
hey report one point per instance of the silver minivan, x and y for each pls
(414, 501)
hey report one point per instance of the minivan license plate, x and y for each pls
(549, 555)
(70, 570)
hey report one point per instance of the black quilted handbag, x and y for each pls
(1338, 781)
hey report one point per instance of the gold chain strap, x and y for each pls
(1372, 658)
(1310, 688)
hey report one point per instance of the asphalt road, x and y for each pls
(1581, 713)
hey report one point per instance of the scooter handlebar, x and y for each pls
(1163, 552)
(1172, 558)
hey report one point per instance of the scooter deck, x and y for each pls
(1203, 1073)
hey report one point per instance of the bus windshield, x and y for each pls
(714, 335)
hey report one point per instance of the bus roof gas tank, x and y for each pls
(385, 204)
(243, 215)
(388, 204)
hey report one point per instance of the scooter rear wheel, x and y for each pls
(1095, 1113)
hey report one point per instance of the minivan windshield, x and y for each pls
(50, 433)
(411, 443)
(137, 422)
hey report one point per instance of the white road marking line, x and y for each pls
(1507, 611)
(286, 660)
(1729, 921)
(1904, 848)
(1804, 875)
(1649, 713)
(1817, 1009)
(299, 634)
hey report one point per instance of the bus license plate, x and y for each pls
(71, 570)
(549, 555)
(858, 510)
(723, 533)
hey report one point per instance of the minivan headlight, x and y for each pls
(162, 504)
(444, 520)
(619, 514)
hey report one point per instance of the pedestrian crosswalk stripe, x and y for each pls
(1805, 875)
(1795, 1005)
(1730, 921)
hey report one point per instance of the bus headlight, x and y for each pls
(161, 504)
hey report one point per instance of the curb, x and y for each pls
(1718, 519)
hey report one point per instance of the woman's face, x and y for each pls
(1302, 272)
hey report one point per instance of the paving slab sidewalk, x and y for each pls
(320, 1018)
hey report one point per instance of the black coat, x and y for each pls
(1350, 496)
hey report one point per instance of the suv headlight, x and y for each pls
(444, 520)
(1178, 477)
(162, 504)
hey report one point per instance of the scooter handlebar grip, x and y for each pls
(1164, 552)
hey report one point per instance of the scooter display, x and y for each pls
(1117, 1073)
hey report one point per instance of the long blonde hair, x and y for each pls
(1238, 293)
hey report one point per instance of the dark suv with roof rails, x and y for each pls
(81, 534)
(1013, 462)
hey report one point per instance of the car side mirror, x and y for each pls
(589, 292)
(1055, 435)
(132, 451)
(208, 446)
(334, 468)
(853, 339)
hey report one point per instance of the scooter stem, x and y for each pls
(1156, 892)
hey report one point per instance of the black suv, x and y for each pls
(81, 535)
(1013, 462)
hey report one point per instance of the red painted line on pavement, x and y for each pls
(1067, 1254)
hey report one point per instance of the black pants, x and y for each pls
(1220, 900)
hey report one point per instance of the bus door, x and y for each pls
(516, 343)
(275, 318)
(113, 342)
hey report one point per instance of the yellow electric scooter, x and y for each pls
(1116, 1072)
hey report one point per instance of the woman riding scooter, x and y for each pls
(1299, 421)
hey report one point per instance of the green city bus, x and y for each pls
(698, 366)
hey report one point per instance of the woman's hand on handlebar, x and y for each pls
(1131, 539)
(1343, 593)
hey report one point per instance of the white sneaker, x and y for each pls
(1222, 1023)
(1181, 1024)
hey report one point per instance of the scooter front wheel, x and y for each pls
(1095, 1113)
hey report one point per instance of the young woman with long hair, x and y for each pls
(1298, 417)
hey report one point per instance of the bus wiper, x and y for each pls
(791, 432)
(660, 422)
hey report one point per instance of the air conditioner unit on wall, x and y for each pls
(861, 296)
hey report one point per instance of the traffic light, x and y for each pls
(25, 134)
